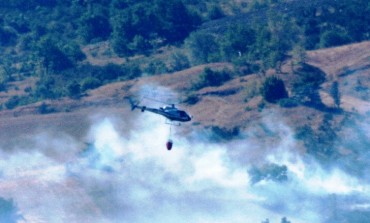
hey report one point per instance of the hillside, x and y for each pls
(223, 106)
(278, 91)
(217, 113)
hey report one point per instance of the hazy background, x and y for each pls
(125, 174)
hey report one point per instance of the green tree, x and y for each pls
(203, 47)
(237, 41)
(269, 171)
(156, 67)
(273, 89)
(109, 72)
(175, 20)
(51, 55)
(94, 26)
(74, 89)
(12, 102)
(45, 88)
(145, 25)
(335, 94)
(334, 38)
(73, 52)
(215, 12)
(90, 83)
(179, 61)
(136, 23)
(7, 37)
(284, 35)
(307, 84)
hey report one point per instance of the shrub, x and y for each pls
(74, 52)
(90, 83)
(191, 99)
(273, 172)
(131, 71)
(7, 37)
(52, 55)
(94, 27)
(307, 84)
(210, 77)
(45, 109)
(109, 72)
(222, 133)
(252, 89)
(12, 102)
(334, 38)
(179, 62)
(288, 103)
(2, 86)
(203, 48)
(156, 67)
(45, 88)
(273, 89)
(74, 89)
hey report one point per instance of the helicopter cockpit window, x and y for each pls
(181, 113)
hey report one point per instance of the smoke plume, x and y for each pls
(125, 174)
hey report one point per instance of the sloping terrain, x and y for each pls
(219, 111)
(224, 106)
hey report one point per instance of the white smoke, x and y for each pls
(125, 174)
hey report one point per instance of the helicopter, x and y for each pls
(170, 112)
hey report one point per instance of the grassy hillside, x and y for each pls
(226, 59)
(263, 79)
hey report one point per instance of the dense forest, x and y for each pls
(44, 38)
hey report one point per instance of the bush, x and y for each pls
(288, 103)
(333, 38)
(52, 55)
(12, 102)
(215, 13)
(108, 72)
(94, 27)
(156, 67)
(179, 62)
(307, 84)
(2, 86)
(74, 52)
(74, 89)
(203, 48)
(131, 71)
(273, 89)
(45, 109)
(45, 88)
(7, 37)
(90, 83)
(191, 99)
(212, 78)
(252, 89)
(273, 172)
(222, 133)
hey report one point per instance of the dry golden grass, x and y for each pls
(224, 106)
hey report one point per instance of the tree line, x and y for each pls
(286, 30)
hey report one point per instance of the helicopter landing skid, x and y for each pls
(172, 123)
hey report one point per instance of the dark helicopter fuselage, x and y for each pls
(170, 112)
